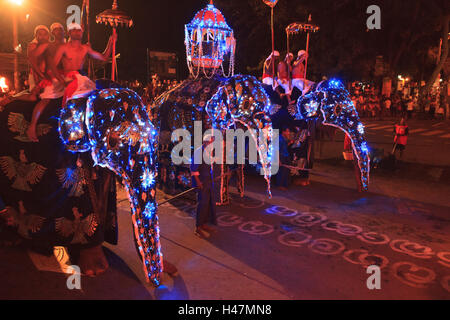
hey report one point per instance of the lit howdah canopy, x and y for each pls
(209, 40)
(298, 27)
(115, 17)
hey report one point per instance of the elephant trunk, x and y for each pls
(362, 157)
(139, 180)
(338, 111)
(124, 140)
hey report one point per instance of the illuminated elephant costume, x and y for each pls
(238, 102)
(330, 102)
(114, 126)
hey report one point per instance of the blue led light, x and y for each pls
(148, 179)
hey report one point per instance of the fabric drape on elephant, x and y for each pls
(47, 187)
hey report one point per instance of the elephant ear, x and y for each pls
(338, 111)
(72, 126)
(238, 99)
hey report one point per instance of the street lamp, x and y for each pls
(17, 3)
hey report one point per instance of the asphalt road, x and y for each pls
(422, 132)
(306, 243)
(428, 141)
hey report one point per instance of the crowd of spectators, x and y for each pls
(152, 90)
(370, 103)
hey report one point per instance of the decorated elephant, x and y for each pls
(113, 125)
(238, 102)
(330, 102)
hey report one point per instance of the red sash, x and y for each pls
(72, 87)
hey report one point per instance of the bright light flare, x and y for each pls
(3, 86)
(16, 2)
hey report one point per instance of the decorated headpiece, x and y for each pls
(56, 25)
(74, 26)
(40, 27)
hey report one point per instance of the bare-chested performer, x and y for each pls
(51, 87)
(72, 56)
(36, 58)
(268, 72)
(298, 70)
(283, 73)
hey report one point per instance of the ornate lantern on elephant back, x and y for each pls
(209, 42)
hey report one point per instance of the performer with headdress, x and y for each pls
(72, 55)
(298, 71)
(36, 58)
(268, 75)
(35, 50)
(50, 87)
(283, 73)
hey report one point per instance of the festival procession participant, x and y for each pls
(283, 73)
(388, 107)
(298, 71)
(300, 149)
(36, 48)
(36, 58)
(203, 180)
(268, 72)
(72, 55)
(40, 53)
(51, 87)
(283, 177)
(401, 137)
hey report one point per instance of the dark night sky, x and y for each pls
(159, 26)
